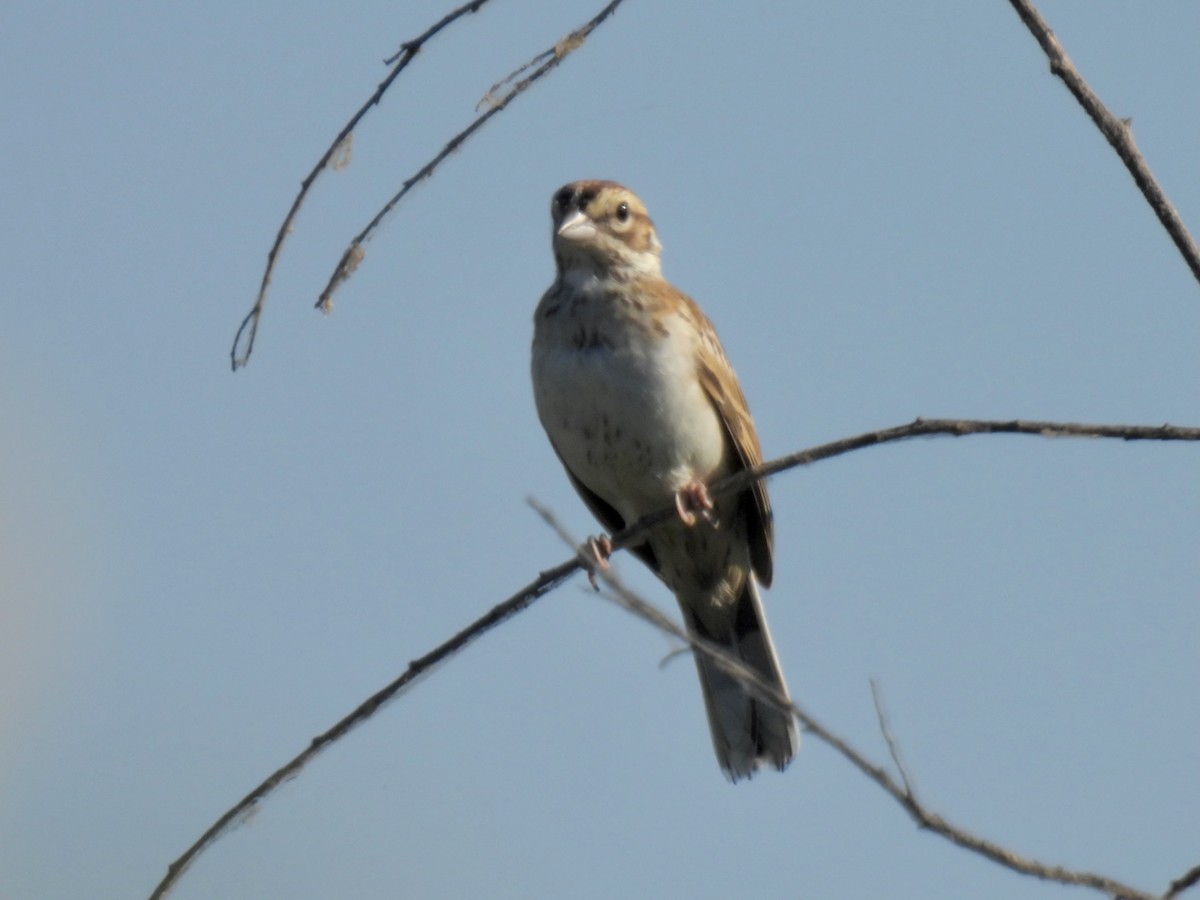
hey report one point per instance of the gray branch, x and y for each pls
(550, 578)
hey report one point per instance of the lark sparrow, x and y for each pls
(643, 409)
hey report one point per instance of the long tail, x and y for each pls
(747, 733)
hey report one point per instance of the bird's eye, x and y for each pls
(563, 198)
(623, 212)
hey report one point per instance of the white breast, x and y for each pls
(623, 406)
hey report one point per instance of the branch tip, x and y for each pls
(401, 59)
(1117, 132)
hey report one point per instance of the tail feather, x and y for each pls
(747, 732)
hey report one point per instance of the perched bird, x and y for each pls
(644, 410)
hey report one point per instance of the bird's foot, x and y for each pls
(691, 499)
(593, 556)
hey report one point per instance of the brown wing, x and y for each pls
(721, 384)
(607, 516)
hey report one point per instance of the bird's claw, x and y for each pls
(691, 499)
(593, 555)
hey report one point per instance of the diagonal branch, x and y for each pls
(240, 353)
(545, 582)
(1187, 880)
(902, 792)
(496, 102)
(552, 577)
(1118, 132)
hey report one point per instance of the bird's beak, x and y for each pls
(576, 226)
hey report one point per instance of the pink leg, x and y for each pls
(693, 498)
(594, 555)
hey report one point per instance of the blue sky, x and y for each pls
(888, 211)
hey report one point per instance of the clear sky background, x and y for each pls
(889, 210)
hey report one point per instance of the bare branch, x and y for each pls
(885, 728)
(544, 583)
(551, 578)
(619, 593)
(495, 103)
(1118, 132)
(1189, 879)
(916, 428)
(337, 154)
(902, 793)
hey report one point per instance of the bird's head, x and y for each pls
(602, 229)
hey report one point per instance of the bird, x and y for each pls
(644, 410)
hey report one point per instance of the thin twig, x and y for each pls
(399, 62)
(1118, 132)
(355, 251)
(902, 793)
(551, 578)
(885, 727)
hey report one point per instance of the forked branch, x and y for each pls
(551, 578)
(901, 790)
(497, 98)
